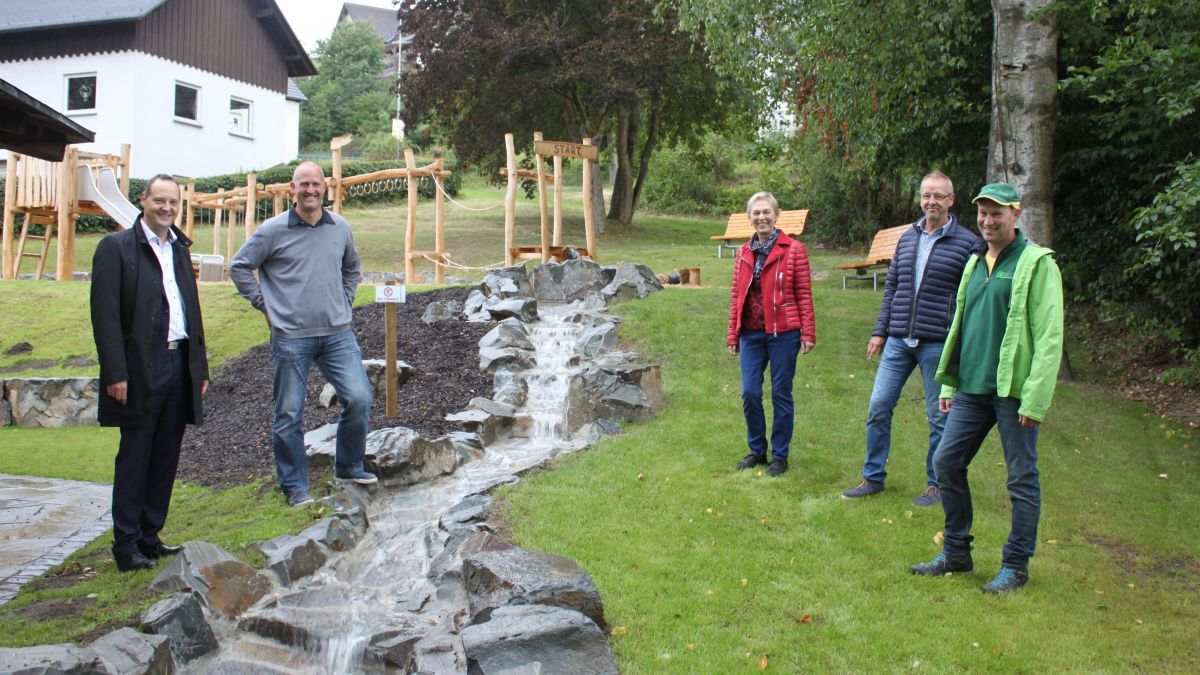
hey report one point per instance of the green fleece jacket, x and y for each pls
(1033, 335)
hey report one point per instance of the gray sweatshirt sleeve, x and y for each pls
(351, 272)
(241, 269)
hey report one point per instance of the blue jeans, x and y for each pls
(757, 349)
(896, 364)
(971, 417)
(340, 362)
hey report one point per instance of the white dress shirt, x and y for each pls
(177, 329)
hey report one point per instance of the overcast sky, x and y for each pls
(313, 20)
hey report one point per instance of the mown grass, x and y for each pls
(704, 569)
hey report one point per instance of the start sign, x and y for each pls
(565, 149)
(391, 293)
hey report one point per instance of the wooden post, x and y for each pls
(67, 200)
(9, 270)
(589, 225)
(126, 150)
(558, 196)
(439, 224)
(277, 202)
(189, 193)
(389, 337)
(541, 182)
(336, 156)
(510, 201)
(410, 227)
(217, 216)
(251, 196)
(233, 214)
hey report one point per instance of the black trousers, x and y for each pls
(148, 456)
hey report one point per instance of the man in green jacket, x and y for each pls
(998, 368)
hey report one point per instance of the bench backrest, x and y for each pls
(883, 246)
(791, 222)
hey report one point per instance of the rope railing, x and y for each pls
(452, 264)
(445, 194)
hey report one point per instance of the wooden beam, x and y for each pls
(7, 269)
(410, 228)
(589, 224)
(542, 211)
(510, 200)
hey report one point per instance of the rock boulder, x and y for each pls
(517, 576)
(180, 618)
(537, 639)
(225, 584)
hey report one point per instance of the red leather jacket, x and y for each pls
(787, 290)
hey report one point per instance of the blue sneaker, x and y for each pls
(929, 497)
(944, 564)
(1008, 579)
(359, 476)
(299, 498)
(864, 489)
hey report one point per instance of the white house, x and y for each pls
(199, 87)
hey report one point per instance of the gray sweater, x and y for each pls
(307, 275)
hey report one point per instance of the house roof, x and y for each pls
(31, 127)
(294, 93)
(385, 20)
(32, 15)
(37, 14)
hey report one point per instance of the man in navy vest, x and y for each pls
(914, 318)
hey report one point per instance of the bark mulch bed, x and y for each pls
(234, 444)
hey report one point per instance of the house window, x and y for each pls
(186, 99)
(239, 116)
(81, 93)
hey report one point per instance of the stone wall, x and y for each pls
(50, 401)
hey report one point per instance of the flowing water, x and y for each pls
(390, 579)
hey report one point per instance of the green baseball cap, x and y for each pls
(1001, 193)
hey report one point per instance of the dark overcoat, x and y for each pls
(130, 318)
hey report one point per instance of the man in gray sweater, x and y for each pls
(308, 270)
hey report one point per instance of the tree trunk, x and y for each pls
(620, 206)
(647, 150)
(1024, 86)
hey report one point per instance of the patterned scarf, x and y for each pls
(762, 250)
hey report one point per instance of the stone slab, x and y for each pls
(46, 520)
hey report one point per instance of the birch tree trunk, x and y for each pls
(1024, 88)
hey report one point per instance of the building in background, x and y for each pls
(198, 87)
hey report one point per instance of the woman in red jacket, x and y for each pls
(770, 321)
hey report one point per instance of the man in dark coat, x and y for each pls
(153, 366)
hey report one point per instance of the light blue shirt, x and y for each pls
(924, 248)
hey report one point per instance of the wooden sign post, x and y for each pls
(551, 242)
(390, 296)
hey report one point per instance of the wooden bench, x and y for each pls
(883, 247)
(739, 229)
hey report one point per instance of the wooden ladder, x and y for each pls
(48, 221)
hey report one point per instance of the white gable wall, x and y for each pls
(135, 103)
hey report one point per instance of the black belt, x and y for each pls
(176, 344)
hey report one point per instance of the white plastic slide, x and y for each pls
(107, 195)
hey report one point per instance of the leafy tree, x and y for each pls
(606, 69)
(346, 96)
(892, 90)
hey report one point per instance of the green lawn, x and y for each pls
(704, 569)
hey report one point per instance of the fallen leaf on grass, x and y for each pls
(1162, 476)
(1051, 541)
(641, 476)
(745, 583)
(763, 662)
(758, 474)
(762, 521)
(937, 538)
(807, 618)
(886, 520)
(710, 592)
(908, 514)
(1138, 621)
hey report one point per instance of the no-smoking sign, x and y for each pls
(391, 293)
